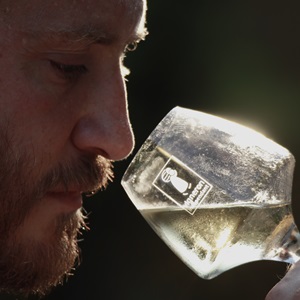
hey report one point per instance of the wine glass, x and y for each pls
(216, 192)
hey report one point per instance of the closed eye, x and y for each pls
(70, 72)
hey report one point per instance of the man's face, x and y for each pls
(63, 119)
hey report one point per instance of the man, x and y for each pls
(63, 121)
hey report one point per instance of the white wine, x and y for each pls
(215, 239)
(217, 193)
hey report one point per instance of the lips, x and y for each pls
(70, 200)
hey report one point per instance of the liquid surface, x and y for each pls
(216, 239)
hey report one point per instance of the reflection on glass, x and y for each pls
(216, 192)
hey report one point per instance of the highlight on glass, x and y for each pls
(216, 192)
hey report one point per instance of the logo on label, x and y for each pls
(182, 185)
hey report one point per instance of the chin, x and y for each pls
(33, 265)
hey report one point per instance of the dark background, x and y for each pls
(237, 59)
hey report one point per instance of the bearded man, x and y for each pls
(63, 121)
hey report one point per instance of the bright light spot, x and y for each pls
(240, 135)
(238, 254)
(223, 237)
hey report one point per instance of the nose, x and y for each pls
(104, 127)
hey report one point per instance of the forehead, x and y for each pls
(67, 15)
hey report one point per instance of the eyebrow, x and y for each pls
(87, 35)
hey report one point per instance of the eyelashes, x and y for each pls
(70, 72)
(73, 72)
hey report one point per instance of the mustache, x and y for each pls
(21, 191)
(87, 174)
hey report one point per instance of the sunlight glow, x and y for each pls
(236, 255)
(223, 237)
(240, 135)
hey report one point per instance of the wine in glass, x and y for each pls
(216, 192)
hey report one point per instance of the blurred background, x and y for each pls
(236, 59)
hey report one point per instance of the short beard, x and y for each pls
(30, 266)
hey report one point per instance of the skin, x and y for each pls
(63, 120)
(289, 287)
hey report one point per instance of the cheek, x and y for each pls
(33, 116)
(34, 136)
(21, 103)
(38, 116)
(16, 185)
